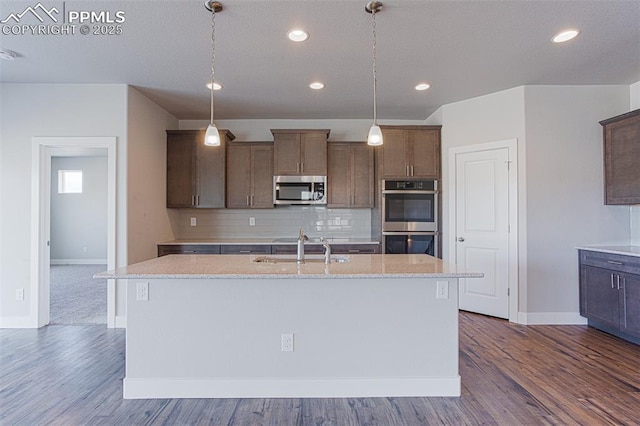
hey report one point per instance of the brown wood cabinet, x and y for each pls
(249, 175)
(622, 158)
(195, 172)
(350, 175)
(410, 151)
(298, 152)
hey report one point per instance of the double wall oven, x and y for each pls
(410, 216)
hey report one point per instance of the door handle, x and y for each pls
(460, 239)
(611, 280)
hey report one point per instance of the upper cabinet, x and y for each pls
(410, 151)
(298, 152)
(350, 175)
(195, 172)
(622, 158)
(249, 175)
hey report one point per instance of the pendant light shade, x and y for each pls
(212, 136)
(375, 134)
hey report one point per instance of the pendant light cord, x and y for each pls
(213, 56)
(375, 80)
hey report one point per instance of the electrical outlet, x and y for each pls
(252, 221)
(286, 341)
(442, 289)
(85, 249)
(193, 221)
(142, 292)
(20, 294)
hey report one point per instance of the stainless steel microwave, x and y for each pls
(299, 190)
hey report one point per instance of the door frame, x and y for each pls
(512, 146)
(41, 153)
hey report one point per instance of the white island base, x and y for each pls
(378, 334)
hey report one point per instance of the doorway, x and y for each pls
(484, 225)
(43, 149)
(78, 236)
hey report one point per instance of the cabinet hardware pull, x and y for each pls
(618, 282)
(248, 201)
(406, 172)
(189, 251)
(301, 167)
(245, 251)
(197, 200)
(354, 251)
(611, 280)
(613, 262)
(411, 170)
(252, 200)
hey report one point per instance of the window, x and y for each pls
(69, 181)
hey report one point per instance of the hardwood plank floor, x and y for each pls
(511, 375)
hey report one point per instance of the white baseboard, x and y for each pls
(18, 322)
(551, 318)
(78, 261)
(121, 321)
(292, 388)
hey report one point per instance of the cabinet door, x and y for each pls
(238, 176)
(210, 172)
(313, 154)
(630, 319)
(424, 161)
(286, 154)
(394, 154)
(622, 159)
(600, 296)
(338, 176)
(262, 176)
(180, 170)
(362, 176)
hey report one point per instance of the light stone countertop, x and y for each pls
(209, 266)
(623, 250)
(265, 241)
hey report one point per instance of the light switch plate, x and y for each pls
(193, 221)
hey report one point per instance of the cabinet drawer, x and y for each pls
(616, 262)
(355, 248)
(164, 250)
(293, 249)
(245, 249)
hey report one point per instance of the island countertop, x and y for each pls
(244, 266)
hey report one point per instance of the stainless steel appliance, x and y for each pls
(288, 190)
(410, 216)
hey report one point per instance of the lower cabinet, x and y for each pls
(165, 249)
(610, 293)
(245, 249)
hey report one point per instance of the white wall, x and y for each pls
(29, 110)
(565, 189)
(634, 94)
(79, 221)
(559, 181)
(148, 218)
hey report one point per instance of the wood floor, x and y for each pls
(511, 375)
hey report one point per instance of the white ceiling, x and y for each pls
(462, 48)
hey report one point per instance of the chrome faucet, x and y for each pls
(327, 252)
(301, 239)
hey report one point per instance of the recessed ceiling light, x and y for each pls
(298, 35)
(423, 86)
(216, 86)
(565, 36)
(316, 85)
(7, 55)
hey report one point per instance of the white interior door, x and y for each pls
(482, 229)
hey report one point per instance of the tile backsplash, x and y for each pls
(280, 222)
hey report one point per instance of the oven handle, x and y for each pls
(411, 191)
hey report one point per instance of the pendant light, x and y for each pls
(375, 134)
(212, 136)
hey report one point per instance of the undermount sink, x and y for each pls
(307, 259)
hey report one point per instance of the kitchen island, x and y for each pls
(213, 326)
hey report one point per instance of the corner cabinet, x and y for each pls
(610, 293)
(195, 172)
(249, 175)
(622, 158)
(350, 175)
(410, 151)
(299, 152)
